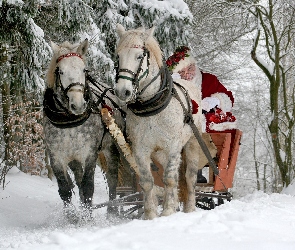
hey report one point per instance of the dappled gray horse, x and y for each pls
(74, 134)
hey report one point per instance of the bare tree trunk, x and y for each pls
(256, 161)
(277, 36)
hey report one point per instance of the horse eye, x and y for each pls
(60, 72)
(85, 70)
(140, 57)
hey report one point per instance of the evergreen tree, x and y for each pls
(28, 26)
(26, 55)
(96, 20)
(22, 65)
(171, 18)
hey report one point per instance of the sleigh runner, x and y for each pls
(217, 187)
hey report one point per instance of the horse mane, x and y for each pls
(129, 38)
(64, 48)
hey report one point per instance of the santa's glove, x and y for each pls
(210, 103)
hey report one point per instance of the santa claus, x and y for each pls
(217, 101)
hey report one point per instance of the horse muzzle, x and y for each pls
(124, 93)
(77, 109)
(77, 103)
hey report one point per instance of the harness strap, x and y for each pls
(104, 133)
(68, 55)
(161, 71)
(126, 78)
(58, 114)
(159, 102)
(190, 121)
(72, 85)
(117, 107)
(95, 83)
(136, 79)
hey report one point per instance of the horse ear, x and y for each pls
(54, 47)
(120, 30)
(83, 47)
(149, 32)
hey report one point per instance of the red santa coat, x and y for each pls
(211, 85)
(217, 121)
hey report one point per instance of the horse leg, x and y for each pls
(77, 169)
(170, 203)
(87, 184)
(112, 157)
(65, 184)
(146, 182)
(191, 153)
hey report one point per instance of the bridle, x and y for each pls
(135, 79)
(64, 91)
(159, 100)
(59, 115)
(53, 104)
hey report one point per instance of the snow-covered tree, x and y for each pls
(97, 20)
(23, 64)
(275, 35)
(28, 26)
(219, 27)
(171, 19)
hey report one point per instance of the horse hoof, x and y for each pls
(86, 215)
(189, 209)
(113, 211)
(71, 213)
(150, 215)
(167, 212)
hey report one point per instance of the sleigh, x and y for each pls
(208, 195)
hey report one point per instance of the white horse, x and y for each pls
(155, 119)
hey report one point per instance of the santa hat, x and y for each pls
(181, 58)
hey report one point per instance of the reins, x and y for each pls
(104, 94)
(188, 118)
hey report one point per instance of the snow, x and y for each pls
(31, 218)
(174, 7)
(16, 2)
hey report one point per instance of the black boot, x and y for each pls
(200, 177)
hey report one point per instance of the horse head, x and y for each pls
(68, 75)
(139, 56)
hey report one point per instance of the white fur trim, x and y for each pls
(225, 101)
(209, 103)
(222, 126)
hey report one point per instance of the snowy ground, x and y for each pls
(31, 218)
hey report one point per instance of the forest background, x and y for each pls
(247, 44)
